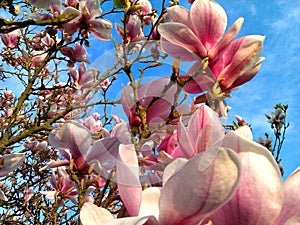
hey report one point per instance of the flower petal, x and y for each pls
(181, 35)
(291, 198)
(258, 198)
(244, 54)
(73, 136)
(205, 129)
(90, 214)
(179, 14)
(101, 29)
(11, 162)
(128, 179)
(198, 189)
(209, 21)
(228, 37)
(150, 202)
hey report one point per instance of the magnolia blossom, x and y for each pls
(158, 110)
(75, 143)
(180, 200)
(88, 11)
(82, 77)
(76, 54)
(197, 33)
(9, 163)
(10, 40)
(133, 27)
(222, 64)
(259, 199)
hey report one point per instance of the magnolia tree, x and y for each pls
(141, 141)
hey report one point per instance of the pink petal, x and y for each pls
(105, 151)
(209, 21)
(150, 202)
(73, 136)
(185, 147)
(101, 29)
(291, 198)
(205, 129)
(228, 37)
(128, 179)
(121, 131)
(198, 189)
(87, 79)
(258, 198)
(175, 50)
(179, 14)
(244, 131)
(245, 56)
(91, 214)
(183, 36)
(248, 75)
(127, 99)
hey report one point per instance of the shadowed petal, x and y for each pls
(175, 50)
(105, 151)
(72, 136)
(291, 198)
(258, 198)
(128, 178)
(179, 14)
(101, 29)
(198, 188)
(11, 162)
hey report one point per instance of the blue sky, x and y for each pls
(279, 77)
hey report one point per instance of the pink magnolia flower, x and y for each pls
(133, 27)
(158, 111)
(258, 199)
(88, 11)
(198, 35)
(145, 11)
(94, 125)
(82, 77)
(11, 39)
(28, 194)
(62, 184)
(180, 200)
(75, 143)
(34, 145)
(76, 54)
(204, 131)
